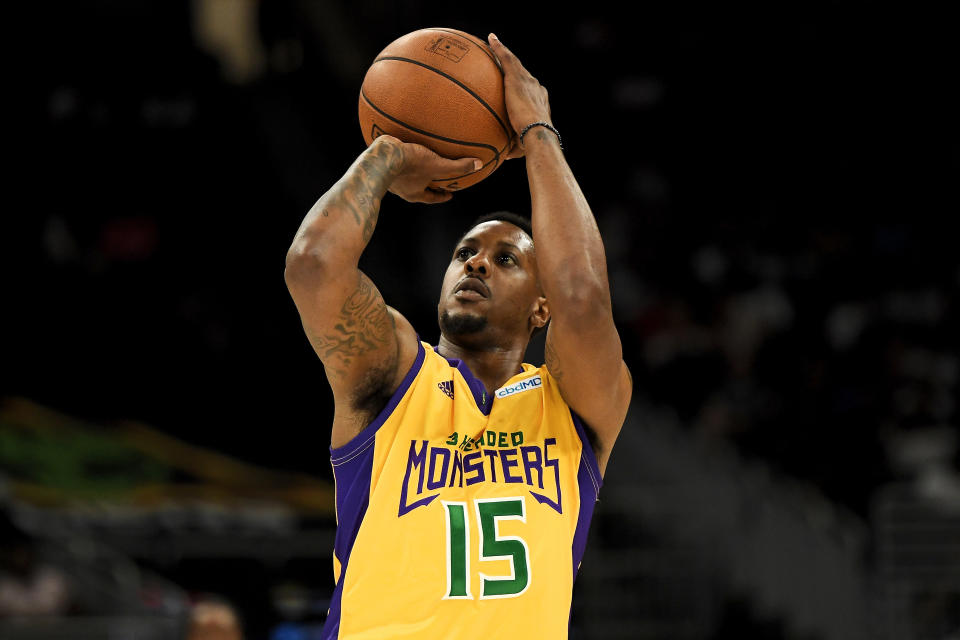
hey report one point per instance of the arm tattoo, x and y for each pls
(546, 135)
(362, 192)
(363, 325)
(552, 361)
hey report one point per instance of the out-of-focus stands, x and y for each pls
(702, 532)
(123, 532)
(56, 586)
(697, 542)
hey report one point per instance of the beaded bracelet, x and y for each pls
(541, 124)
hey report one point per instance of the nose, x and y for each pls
(478, 263)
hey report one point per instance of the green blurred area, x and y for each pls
(51, 459)
(76, 463)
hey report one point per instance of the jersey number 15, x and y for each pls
(492, 546)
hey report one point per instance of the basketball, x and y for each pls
(441, 88)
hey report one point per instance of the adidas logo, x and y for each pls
(447, 387)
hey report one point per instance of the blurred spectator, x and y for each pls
(214, 618)
(29, 586)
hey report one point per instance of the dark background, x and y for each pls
(775, 182)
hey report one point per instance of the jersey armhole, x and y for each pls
(588, 457)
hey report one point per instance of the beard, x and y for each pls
(461, 324)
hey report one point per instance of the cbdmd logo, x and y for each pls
(520, 387)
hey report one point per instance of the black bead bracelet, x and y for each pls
(541, 124)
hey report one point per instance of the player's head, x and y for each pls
(491, 292)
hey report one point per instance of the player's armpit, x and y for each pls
(587, 363)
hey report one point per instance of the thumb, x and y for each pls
(464, 166)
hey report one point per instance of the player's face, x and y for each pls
(491, 285)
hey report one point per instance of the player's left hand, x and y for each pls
(420, 167)
(527, 100)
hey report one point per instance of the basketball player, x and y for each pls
(465, 479)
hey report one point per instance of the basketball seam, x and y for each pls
(483, 46)
(496, 154)
(455, 81)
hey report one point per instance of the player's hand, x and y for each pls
(420, 167)
(527, 100)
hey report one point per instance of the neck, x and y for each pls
(492, 367)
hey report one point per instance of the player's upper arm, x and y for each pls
(366, 347)
(586, 359)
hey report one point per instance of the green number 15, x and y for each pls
(490, 511)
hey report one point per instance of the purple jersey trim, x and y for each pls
(483, 399)
(590, 481)
(352, 465)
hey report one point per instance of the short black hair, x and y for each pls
(505, 216)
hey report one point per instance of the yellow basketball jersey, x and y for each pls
(461, 515)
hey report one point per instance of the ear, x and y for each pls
(539, 314)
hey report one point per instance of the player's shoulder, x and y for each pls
(408, 346)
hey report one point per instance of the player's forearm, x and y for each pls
(570, 256)
(338, 227)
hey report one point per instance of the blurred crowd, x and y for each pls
(833, 361)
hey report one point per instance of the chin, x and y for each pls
(462, 323)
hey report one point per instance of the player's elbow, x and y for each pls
(305, 264)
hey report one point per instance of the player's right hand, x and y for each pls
(526, 99)
(420, 167)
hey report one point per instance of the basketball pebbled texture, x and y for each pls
(441, 88)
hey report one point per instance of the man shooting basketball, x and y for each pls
(465, 479)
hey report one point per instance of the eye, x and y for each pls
(507, 259)
(463, 253)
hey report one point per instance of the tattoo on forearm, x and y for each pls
(362, 192)
(545, 135)
(363, 325)
(552, 360)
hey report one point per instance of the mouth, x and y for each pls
(471, 288)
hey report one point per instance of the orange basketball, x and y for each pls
(441, 88)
